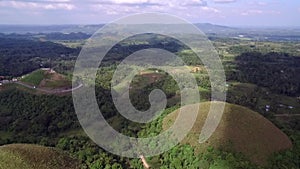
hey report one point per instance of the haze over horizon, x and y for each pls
(252, 13)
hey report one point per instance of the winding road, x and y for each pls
(54, 91)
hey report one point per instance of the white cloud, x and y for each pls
(224, 1)
(257, 3)
(252, 12)
(37, 5)
(59, 6)
(169, 3)
(259, 12)
(59, 1)
(129, 1)
(210, 9)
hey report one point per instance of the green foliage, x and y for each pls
(289, 159)
(29, 117)
(91, 155)
(277, 71)
(21, 56)
(183, 156)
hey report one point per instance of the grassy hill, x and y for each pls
(46, 79)
(25, 156)
(240, 130)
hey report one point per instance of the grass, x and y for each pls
(240, 130)
(58, 84)
(25, 156)
(9, 160)
(34, 78)
(44, 79)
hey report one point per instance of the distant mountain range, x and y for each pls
(254, 33)
(89, 29)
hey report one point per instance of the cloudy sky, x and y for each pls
(223, 12)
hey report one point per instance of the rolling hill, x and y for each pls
(241, 130)
(46, 78)
(26, 156)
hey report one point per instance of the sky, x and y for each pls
(272, 13)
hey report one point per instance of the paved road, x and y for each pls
(54, 91)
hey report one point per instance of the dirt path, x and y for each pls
(145, 164)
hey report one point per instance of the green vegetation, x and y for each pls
(19, 56)
(234, 131)
(46, 79)
(277, 71)
(245, 138)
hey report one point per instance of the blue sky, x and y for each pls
(222, 12)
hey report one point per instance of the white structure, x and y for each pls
(45, 68)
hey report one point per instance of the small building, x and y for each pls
(5, 81)
(196, 69)
(290, 107)
(0, 83)
(52, 71)
(14, 79)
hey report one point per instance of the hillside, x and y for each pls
(25, 156)
(240, 130)
(46, 78)
(21, 56)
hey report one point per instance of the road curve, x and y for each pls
(54, 91)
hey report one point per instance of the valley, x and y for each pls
(259, 127)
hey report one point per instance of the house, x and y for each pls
(52, 71)
(267, 108)
(14, 79)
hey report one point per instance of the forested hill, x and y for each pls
(49, 36)
(279, 72)
(21, 56)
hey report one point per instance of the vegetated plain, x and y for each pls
(262, 81)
